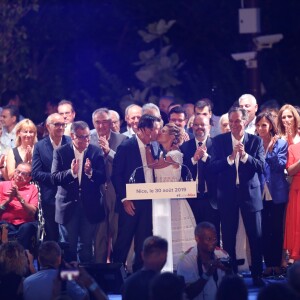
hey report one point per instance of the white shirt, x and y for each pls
(53, 143)
(79, 156)
(188, 268)
(237, 158)
(250, 128)
(148, 173)
(8, 139)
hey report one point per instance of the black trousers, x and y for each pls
(138, 227)
(252, 222)
(51, 227)
(272, 232)
(24, 233)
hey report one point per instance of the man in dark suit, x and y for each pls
(108, 141)
(78, 170)
(196, 156)
(237, 160)
(41, 171)
(135, 217)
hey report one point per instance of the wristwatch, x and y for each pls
(22, 201)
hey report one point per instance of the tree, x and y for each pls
(14, 48)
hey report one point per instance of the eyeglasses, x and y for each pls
(58, 125)
(23, 174)
(105, 122)
(200, 125)
(83, 137)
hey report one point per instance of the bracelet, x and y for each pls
(2, 207)
(205, 276)
(93, 286)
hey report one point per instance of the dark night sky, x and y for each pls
(71, 36)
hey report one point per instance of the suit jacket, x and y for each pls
(69, 191)
(126, 160)
(274, 172)
(114, 141)
(188, 149)
(249, 184)
(41, 168)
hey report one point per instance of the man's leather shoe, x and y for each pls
(258, 281)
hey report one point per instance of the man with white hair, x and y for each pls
(115, 121)
(249, 103)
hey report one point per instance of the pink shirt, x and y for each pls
(14, 212)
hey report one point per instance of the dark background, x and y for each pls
(84, 51)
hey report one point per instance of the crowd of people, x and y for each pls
(246, 165)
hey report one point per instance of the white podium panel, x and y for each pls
(161, 190)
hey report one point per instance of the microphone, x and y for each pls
(132, 176)
(189, 176)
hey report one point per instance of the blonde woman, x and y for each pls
(26, 137)
(288, 122)
(173, 219)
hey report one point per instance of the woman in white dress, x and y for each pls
(172, 218)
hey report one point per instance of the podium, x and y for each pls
(161, 193)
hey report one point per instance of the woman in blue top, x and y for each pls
(274, 192)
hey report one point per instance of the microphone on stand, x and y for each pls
(189, 176)
(132, 176)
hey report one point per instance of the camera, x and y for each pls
(69, 274)
(226, 262)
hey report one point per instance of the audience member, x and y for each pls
(164, 103)
(78, 170)
(41, 171)
(248, 102)
(13, 268)
(115, 121)
(177, 115)
(238, 160)
(11, 97)
(172, 218)
(19, 203)
(9, 118)
(232, 287)
(50, 108)
(224, 123)
(189, 109)
(204, 108)
(275, 192)
(288, 123)
(201, 266)
(271, 106)
(26, 137)
(66, 109)
(154, 255)
(108, 141)
(196, 156)
(135, 217)
(133, 114)
(167, 286)
(292, 230)
(40, 285)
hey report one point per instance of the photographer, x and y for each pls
(204, 265)
(40, 285)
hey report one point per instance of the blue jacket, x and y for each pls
(274, 172)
